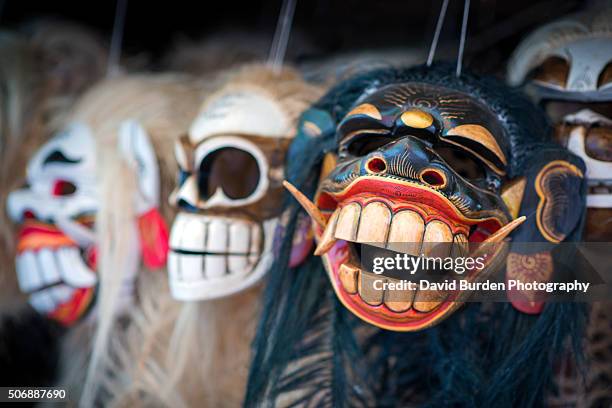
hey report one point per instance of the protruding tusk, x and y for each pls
(504, 231)
(308, 205)
(327, 239)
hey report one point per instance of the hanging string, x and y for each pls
(466, 12)
(439, 24)
(281, 35)
(114, 53)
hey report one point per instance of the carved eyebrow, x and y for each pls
(479, 134)
(366, 109)
(58, 157)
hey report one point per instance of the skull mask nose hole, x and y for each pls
(376, 165)
(63, 188)
(433, 177)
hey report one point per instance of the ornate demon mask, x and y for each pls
(229, 193)
(567, 67)
(57, 244)
(422, 163)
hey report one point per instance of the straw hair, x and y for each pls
(163, 105)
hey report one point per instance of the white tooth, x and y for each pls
(436, 233)
(218, 237)
(255, 244)
(348, 277)
(406, 233)
(428, 300)
(398, 300)
(215, 265)
(42, 301)
(366, 289)
(348, 220)
(61, 293)
(176, 231)
(460, 246)
(374, 224)
(190, 267)
(239, 238)
(50, 271)
(239, 232)
(188, 233)
(28, 274)
(73, 269)
(174, 266)
(238, 264)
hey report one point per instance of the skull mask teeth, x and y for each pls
(418, 166)
(229, 195)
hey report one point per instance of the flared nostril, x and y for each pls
(376, 165)
(433, 177)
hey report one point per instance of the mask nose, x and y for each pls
(433, 177)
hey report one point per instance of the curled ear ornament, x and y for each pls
(138, 152)
(555, 207)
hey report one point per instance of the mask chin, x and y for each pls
(215, 257)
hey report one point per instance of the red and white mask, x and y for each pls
(57, 241)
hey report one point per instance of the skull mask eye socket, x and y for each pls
(230, 169)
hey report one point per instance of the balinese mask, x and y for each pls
(422, 168)
(567, 67)
(57, 242)
(54, 267)
(569, 59)
(229, 192)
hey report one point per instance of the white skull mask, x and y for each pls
(57, 245)
(55, 258)
(229, 195)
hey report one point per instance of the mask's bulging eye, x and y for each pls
(63, 188)
(462, 162)
(233, 170)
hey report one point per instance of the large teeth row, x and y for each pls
(235, 246)
(354, 280)
(49, 269)
(404, 231)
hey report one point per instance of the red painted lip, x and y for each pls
(430, 204)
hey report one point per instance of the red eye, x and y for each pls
(63, 187)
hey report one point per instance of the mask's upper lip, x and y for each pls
(408, 192)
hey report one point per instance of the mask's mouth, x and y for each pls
(422, 222)
(212, 256)
(57, 275)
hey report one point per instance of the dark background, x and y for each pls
(331, 26)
